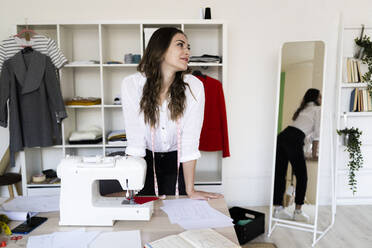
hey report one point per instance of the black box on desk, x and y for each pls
(248, 224)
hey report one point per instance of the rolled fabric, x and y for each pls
(18, 216)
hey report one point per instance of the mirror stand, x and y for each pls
(314, 228)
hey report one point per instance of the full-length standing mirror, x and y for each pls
(295, 163)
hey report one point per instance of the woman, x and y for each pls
(163, 107)
(306, 121)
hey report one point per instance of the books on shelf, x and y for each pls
(202, 238)
(360, 100)
(354, 69)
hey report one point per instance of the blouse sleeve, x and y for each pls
(2, 56)
(4, 95)
(133, 119)
(55, 54)
(317, 114)
(192, 125)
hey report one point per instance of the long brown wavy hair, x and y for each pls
(150, 65)
(311, 95)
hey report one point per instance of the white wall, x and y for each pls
(256, 31)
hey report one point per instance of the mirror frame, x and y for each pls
(288, 223)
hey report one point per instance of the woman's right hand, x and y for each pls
(202, 195)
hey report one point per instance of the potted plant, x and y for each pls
(353, 144)
(366, 55)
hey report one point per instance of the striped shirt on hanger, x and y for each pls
(9, 47)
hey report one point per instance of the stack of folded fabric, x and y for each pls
(117, 137)
(112, 62)
(85, 101)
(113, 154)
(115, 151)
(92, 135)
(206, 58)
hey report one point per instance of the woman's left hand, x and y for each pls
(202, 195)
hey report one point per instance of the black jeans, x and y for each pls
(289, 148)
(166, 173)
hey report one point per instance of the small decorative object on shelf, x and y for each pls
(352, 142)
(207, 13)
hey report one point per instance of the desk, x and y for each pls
(158, 227)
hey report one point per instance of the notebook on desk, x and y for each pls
(202, 238)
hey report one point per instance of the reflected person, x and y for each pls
(290, 142)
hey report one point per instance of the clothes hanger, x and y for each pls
(26, 32)
(198, 73)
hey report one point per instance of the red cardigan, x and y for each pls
(214, 134)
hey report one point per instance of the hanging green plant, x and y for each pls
(369, 87)
(353, 144)
(366, 55)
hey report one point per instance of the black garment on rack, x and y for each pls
(29, 81)
(198, 73)
(27, 49)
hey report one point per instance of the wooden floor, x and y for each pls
(352, 229)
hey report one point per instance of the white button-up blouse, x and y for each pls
(165, 138)
(308, 121)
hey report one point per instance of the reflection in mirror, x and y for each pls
(299, 127)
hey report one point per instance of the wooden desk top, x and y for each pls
(158, 227)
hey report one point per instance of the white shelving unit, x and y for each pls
(104, 42)
(361, 120)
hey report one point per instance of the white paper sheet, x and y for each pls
(205, 224)
(76, 239)
(194, 214)
(40, 241)
(121, 239)
(48, 203)
(192, 210)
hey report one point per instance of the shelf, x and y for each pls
(84, 146)
(103, 42)
(34, 185)
(205, 64)
(354, 85)
(356, 27)
(208, 178)
(366, 142)
(83, 106)
(354, 200)
(46, 147)
(363, 144)
(113, 106)
(357, 114)
(120, 65)
(82, 66)
(361, 171)
(107, 145)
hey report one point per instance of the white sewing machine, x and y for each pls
(81, 204)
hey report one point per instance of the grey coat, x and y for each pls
(31, 84)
